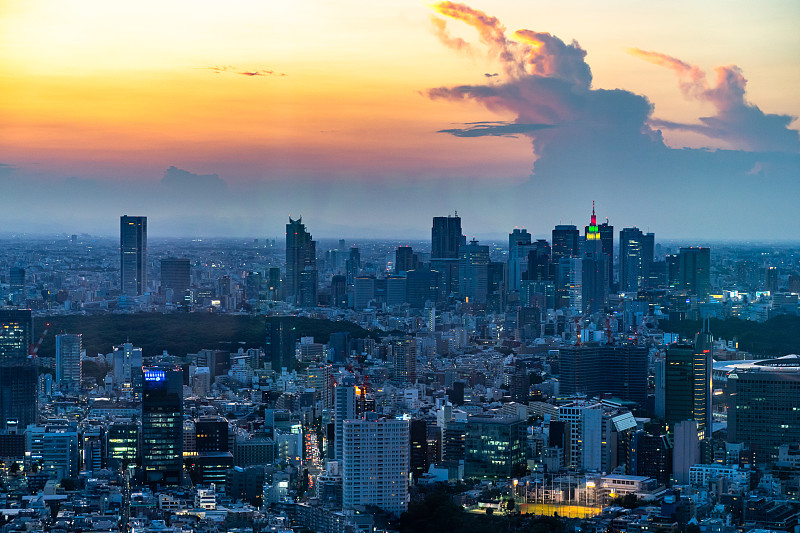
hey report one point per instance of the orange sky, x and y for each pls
(123, 90)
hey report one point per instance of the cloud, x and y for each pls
(184, 184)
(736, 121)
(243, 72)
(441, 32)
(497, 129)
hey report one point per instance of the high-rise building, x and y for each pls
(280, 344)
(764, 408)
(422, 285)
(564, 242)
(19, 381)
(519, 242)
(301, 256)
(473, 269)
(376, 463)
(68, 361)
(344, 408)
(446, 237)
(539, 261)
(16, 279)
(594, 369)
(162, 426)
(363, 292)
(404, 259)
(353, 264)
(55, 447)
(418, 458)
(695, 271)
(635, 257)
(494, 447)
(687, 387)
(122, 444)
(175, 274)
(339, 291)
(16, 333)
(133, 255)
(404, 357)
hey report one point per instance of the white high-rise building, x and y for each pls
(68, 362)
(344, 408)
(376, 463)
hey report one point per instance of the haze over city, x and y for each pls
(367, 119)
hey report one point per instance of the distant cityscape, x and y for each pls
(598, 380)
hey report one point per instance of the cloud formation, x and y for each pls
(243, 72)
(737, 121)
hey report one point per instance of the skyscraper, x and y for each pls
(519, 242)
(16, 333)
(565, 242)
(635, 257)
(162, 426)
(19, 380)
(404, 259)
(68, 361)
(133, 255)
(594, 369)
(473, 270)
(344, 408)
(694, 265)
(301, 256)
(175, 274)
(376, 463)
(280, 344)
(688, 384)
(446, 238)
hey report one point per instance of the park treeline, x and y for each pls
(180, 333)
(777, 336)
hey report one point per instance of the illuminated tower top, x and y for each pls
(592, 230)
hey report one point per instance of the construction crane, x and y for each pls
(34, 348)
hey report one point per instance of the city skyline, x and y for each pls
(403, 113)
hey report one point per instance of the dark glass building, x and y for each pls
(133, 255)
(594, 369)
(687, 384)
(175, 274)
(301, 256)
(695, 271)
(19, 393)
(280, 344)
(162, 426)
(16, 333)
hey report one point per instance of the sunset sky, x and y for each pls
(369, 118)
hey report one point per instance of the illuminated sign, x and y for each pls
(155, 375)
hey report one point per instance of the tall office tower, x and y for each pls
(162, 426)
(564, 248)
(518, 248)
(599, 245)
(308, 287)
(133, 255)
(122, 444)
(16, 279)
(473, 269)
(635, 258)
(494, 447)
(564, 242)
(376, 463)
(16, 333)
(301, 255)
(19, 385)
(175, 274)
(68, 362)
(363, 292)
(396, 290)
(771, 278)
(594, 369)
(764, 408)
(446, 237)
(687, 390)
(419, 459)
(353, 264)
(695, 271)
(280, 344)
(339, 291)
(55, 448)
(422, 285)
(575, 287)
(404, 259)
(539, 261)
(344, 408)
(127, 362)
(319, 377)
(404, 357)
